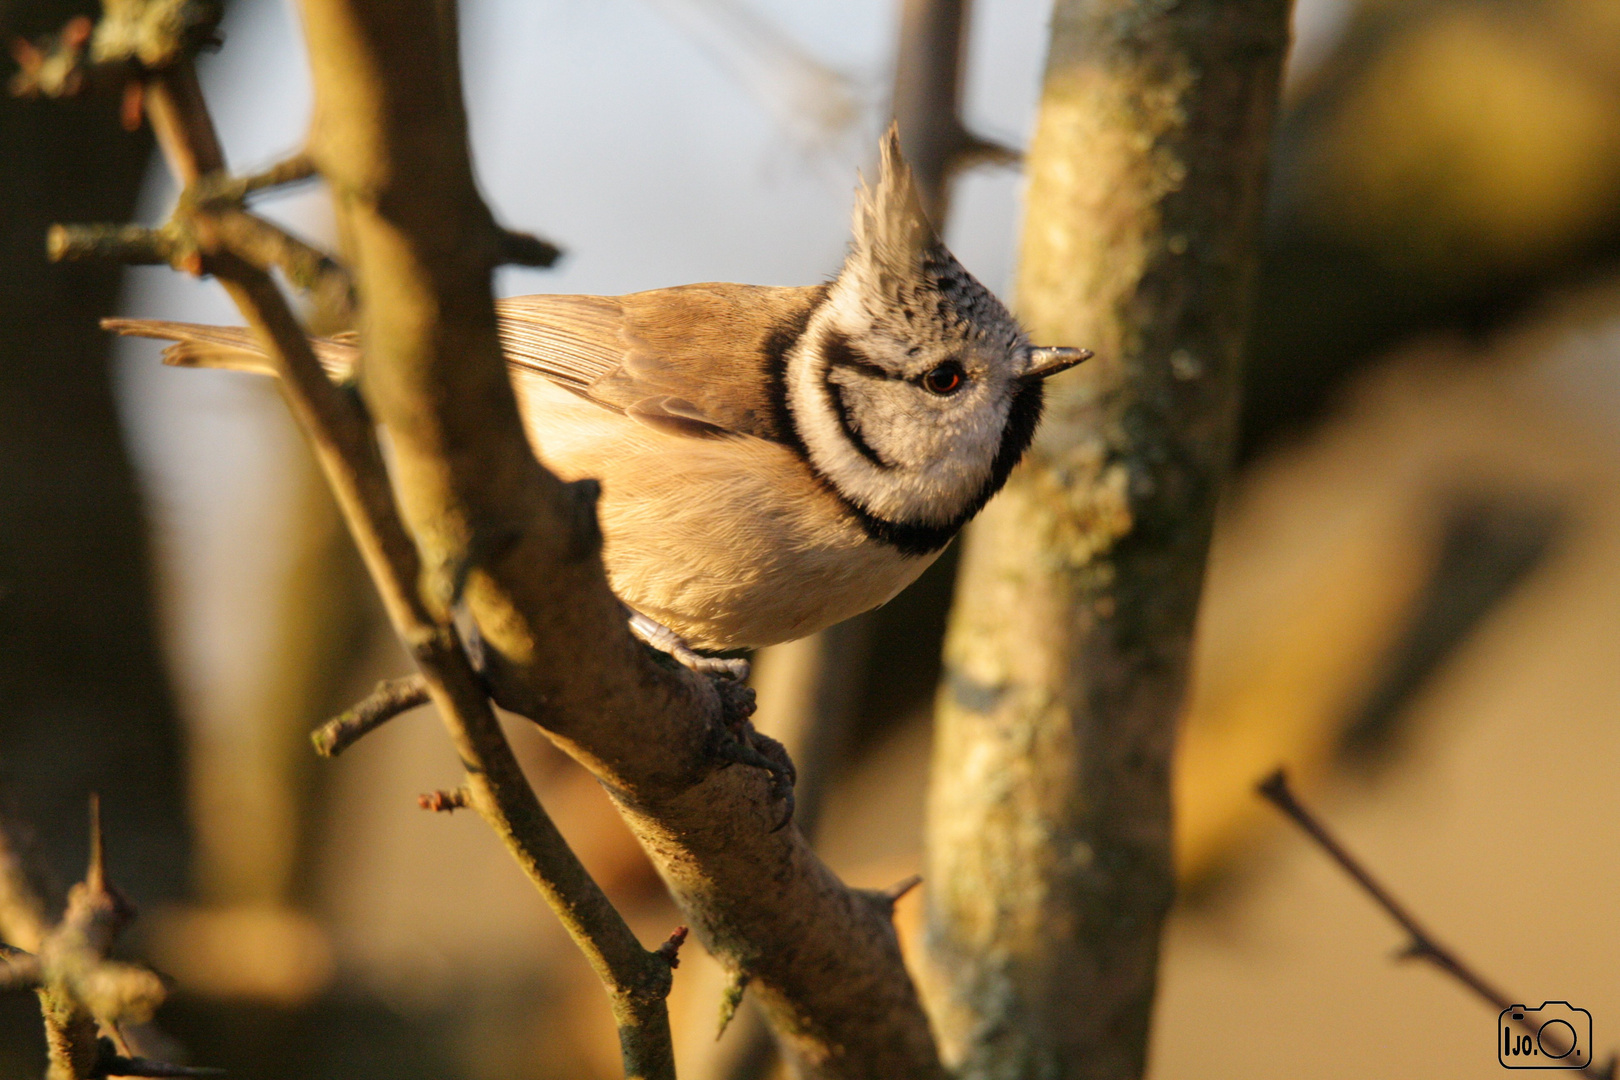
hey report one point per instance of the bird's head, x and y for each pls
(913, 389)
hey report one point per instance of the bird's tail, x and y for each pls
(232, 348)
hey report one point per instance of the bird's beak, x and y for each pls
(1048, 360)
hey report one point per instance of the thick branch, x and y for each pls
(1049, 860)
(824, 961)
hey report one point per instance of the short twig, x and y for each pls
(442, 801)
(19, 970)
(390, 698)
(524, 249)
(670, 950)
(234, 189)
(134, 245)
(1275, 790)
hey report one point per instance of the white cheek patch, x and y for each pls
(931, 462)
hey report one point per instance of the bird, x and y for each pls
(772, 460)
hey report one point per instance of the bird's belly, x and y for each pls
(728, 541)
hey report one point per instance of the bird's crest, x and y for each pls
(892, 233)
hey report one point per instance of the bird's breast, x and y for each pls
(729, 541)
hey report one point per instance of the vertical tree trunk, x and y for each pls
(1049, 862)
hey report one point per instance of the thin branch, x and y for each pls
(20, 970)
(118, 1065)
(927, 102)
(390, 698)
(1423, 945)
(235, 189)
(134, 245)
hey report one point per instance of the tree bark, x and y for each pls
(1049, 855)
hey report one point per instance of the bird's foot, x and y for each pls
(734, 741)
(670, 643)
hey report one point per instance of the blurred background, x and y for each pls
(1413, 601)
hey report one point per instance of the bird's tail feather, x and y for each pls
(231, 348)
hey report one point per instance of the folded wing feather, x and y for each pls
(693, 359)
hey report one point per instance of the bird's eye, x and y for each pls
(947, 378)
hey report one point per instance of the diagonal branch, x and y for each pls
(1422, 944)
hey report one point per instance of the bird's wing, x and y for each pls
(696, 359)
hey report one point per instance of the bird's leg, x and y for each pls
(670, 643)
(734, 740)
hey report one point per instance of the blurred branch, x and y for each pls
(22, 911)
(928, 102)
(814, 102)
(1422, 945)
(1490, 543)
(80, 990)
(1049, 861)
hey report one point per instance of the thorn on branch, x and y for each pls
(109, 1062)
(885, 899)
(901, 888)
(390, 698)
(133, 107)
(235, 189)
(972, 150)
(525, 249)
(670, 950)
(445, 802)
(731, 999)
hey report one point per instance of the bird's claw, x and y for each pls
(736, 742)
